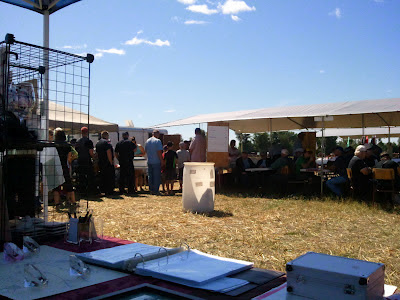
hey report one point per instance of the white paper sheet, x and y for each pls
(389, 290)
(218, 138)
(117, 255)
(54, 264)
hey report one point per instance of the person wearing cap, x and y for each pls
(298, 153)
(370, 158)
(154, 150)
(197, 147)
(282, 161)
(183, 156)
(105, 153)
(170, 158)
(86, 179)
(124, 152)
(335, 184)
(361, 173)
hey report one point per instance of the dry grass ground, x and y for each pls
(268, 232)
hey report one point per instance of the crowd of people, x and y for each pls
(361, 161)
(93, 165)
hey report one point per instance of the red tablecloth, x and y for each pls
(132, 280)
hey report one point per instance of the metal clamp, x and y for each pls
(141, 256)
(162, 248)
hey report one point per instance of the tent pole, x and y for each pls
(46, 44)
(270, 131)
(363, 125)
(323, 155)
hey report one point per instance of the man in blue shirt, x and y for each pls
(154, 149)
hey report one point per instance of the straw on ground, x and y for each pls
(268, 232)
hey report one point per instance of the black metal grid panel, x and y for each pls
(68, 92)
(68, 85)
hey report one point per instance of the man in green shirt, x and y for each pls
(305, 161)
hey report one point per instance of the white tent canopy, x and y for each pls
(359, 132)
(358, 114)
(71, 120)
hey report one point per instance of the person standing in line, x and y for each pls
(84, 146)
(183, 156)
(139, 173)
(124, 152)
(197, 147)
(105, 154)
(64, 152)
(153, 148)
(170, 158)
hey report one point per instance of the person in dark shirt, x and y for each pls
(243, 163)
(84, 147)
(370, 158)
(265, 161)
(170, 158)
(105, 154)
(335, 184)
(348, 154)
(124, 152)
(361, 174)
(387, 163)
(64, 152)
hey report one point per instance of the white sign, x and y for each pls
(218, 138)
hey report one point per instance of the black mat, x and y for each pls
(242, 289)
(258, 276)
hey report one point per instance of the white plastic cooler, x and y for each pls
(198, 187)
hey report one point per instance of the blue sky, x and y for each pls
(162, 60)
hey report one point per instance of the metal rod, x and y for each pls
(297, 123)
(323, 155)
(362, 125)
(46, 43)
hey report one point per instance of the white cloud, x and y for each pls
(84, 46)
(170, 110)
(337, 13)
(202, 9)
(98, 55)
(194, 22)
(322, 71)
(187, 2)
(138, 41)
(233, 7)
(112, 51)
(235, 18)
